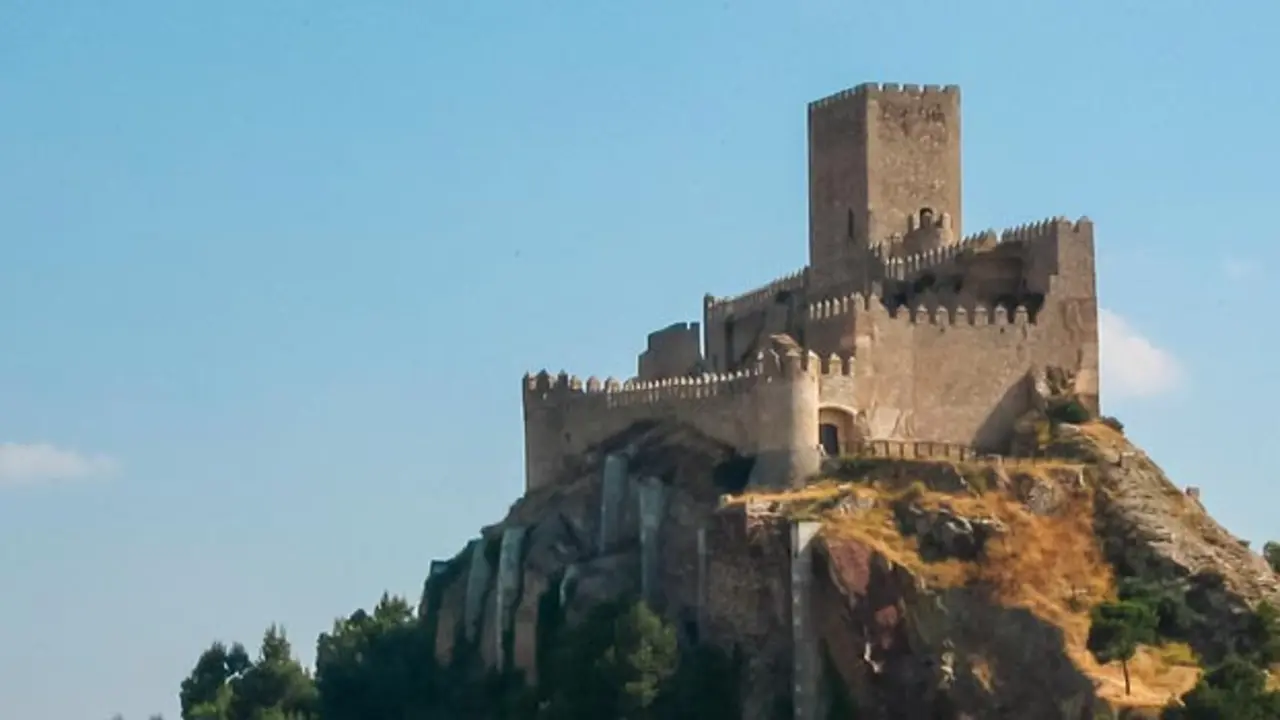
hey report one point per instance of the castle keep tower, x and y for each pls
(881, 160)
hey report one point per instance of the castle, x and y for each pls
(899, 328)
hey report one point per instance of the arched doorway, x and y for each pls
(835, 430)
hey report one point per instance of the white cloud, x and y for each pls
(31, 464)
(1131, 365)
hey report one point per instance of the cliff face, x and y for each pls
(938, 588)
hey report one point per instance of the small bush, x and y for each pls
(1070, 411)
(1271, 551)
(975, 476)
(1178, 654)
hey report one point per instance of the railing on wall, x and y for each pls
(910, 450)
(928, 450)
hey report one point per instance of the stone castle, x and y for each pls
(900, 327)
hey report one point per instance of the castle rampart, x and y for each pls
(769, 409)
(720, 307)
(673, 351)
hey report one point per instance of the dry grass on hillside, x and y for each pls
(1052, 566)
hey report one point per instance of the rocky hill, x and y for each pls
(939, 586)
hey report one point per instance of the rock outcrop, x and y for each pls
(938, 588)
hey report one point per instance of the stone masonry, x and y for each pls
(900, 328)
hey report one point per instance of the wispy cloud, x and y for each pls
(1131, 365)
(39, 463)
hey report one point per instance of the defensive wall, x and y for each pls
(671, 352)
(735, 326)
(941, 370)
(719, 307)
(945, 375)
(769, 410)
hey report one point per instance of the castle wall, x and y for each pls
(673, 351)
(829, 327)
(1071, 313)
(969, 382)
(942, 369)
(737, 328)
(769, 410)
(563, 418)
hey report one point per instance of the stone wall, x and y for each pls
(738, 327)
(953, 373)
(769, 410)
(671, 352)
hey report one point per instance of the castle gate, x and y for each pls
(835, 430)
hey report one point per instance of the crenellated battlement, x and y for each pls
(925, 313)
(720, 307)
(902, 267)
(1046, 230)
(769, 365)
(871, 90)
(612, 393)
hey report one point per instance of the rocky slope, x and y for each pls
(941, 588)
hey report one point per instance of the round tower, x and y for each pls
(786, 403)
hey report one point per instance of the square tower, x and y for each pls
(880, 157)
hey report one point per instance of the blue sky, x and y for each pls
(271, 272)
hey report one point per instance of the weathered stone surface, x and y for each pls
(943, 533)
(905, 651)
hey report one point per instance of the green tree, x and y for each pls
(705, 686)
(1234, 690)
(1116, 631)
(1271, 551)
(205, 694)
(1175, 619)
(275, 686)
(615, 665)
(375, 666)
(1259, 640)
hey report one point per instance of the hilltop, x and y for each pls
(965, 581)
